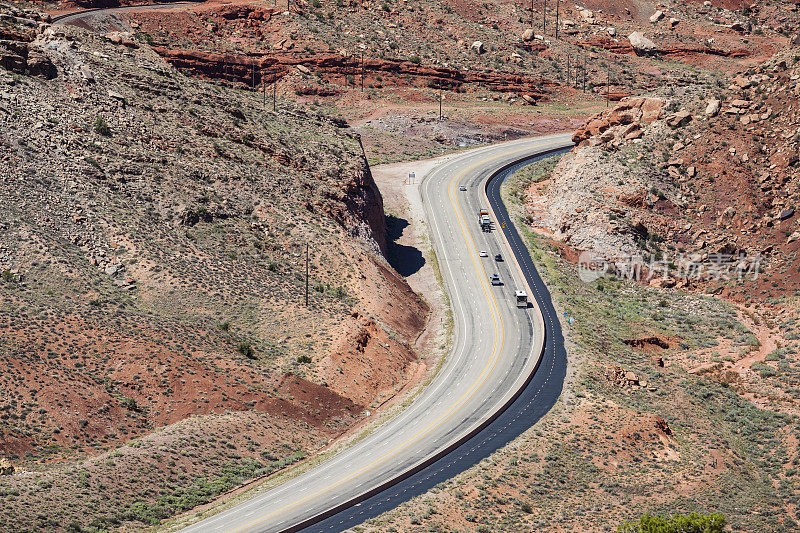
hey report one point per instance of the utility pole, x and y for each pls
(584, 76)
(306, 274)
(577, 74)
(544, 19)
(531, 13)
(557, 3)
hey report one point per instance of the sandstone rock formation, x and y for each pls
(273, 66)
(622, 122)
(21, 41)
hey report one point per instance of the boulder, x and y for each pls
(12, 60)
(86, 73)
(588, 16)
(477, 47)
(633, 131)
(662, 283)
(652, 109)
(743, 82)
(527, 35)
(679, 119)
(304, 69)
(6, 468)
(655, 17)
(124, 38)
(641, 44)
(712, 109)
(611, 31)
(40, 65)
(673, 22)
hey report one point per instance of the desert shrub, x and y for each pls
(246, 349)
(766, 371)
(129, 404)
(692, 523)
(101, 127)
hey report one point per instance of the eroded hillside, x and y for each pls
(152, 302)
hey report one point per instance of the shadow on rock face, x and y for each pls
(407, 260)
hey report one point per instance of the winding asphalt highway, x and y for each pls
(505, 369)
(77, 16)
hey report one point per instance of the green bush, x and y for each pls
(129, 404)
(101, 127)
(766, 371)
(246, 349)
(692, 523)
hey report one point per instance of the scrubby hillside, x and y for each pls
(154, 237)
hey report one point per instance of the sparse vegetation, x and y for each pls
(101, 127)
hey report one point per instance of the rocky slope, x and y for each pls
(154, 239)
(714, 179)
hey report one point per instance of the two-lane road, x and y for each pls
(486, 392)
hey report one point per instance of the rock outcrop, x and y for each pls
(267, 68)
(674, 50)
(20, 43)
(622, 122)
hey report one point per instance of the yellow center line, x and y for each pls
(463, 399)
